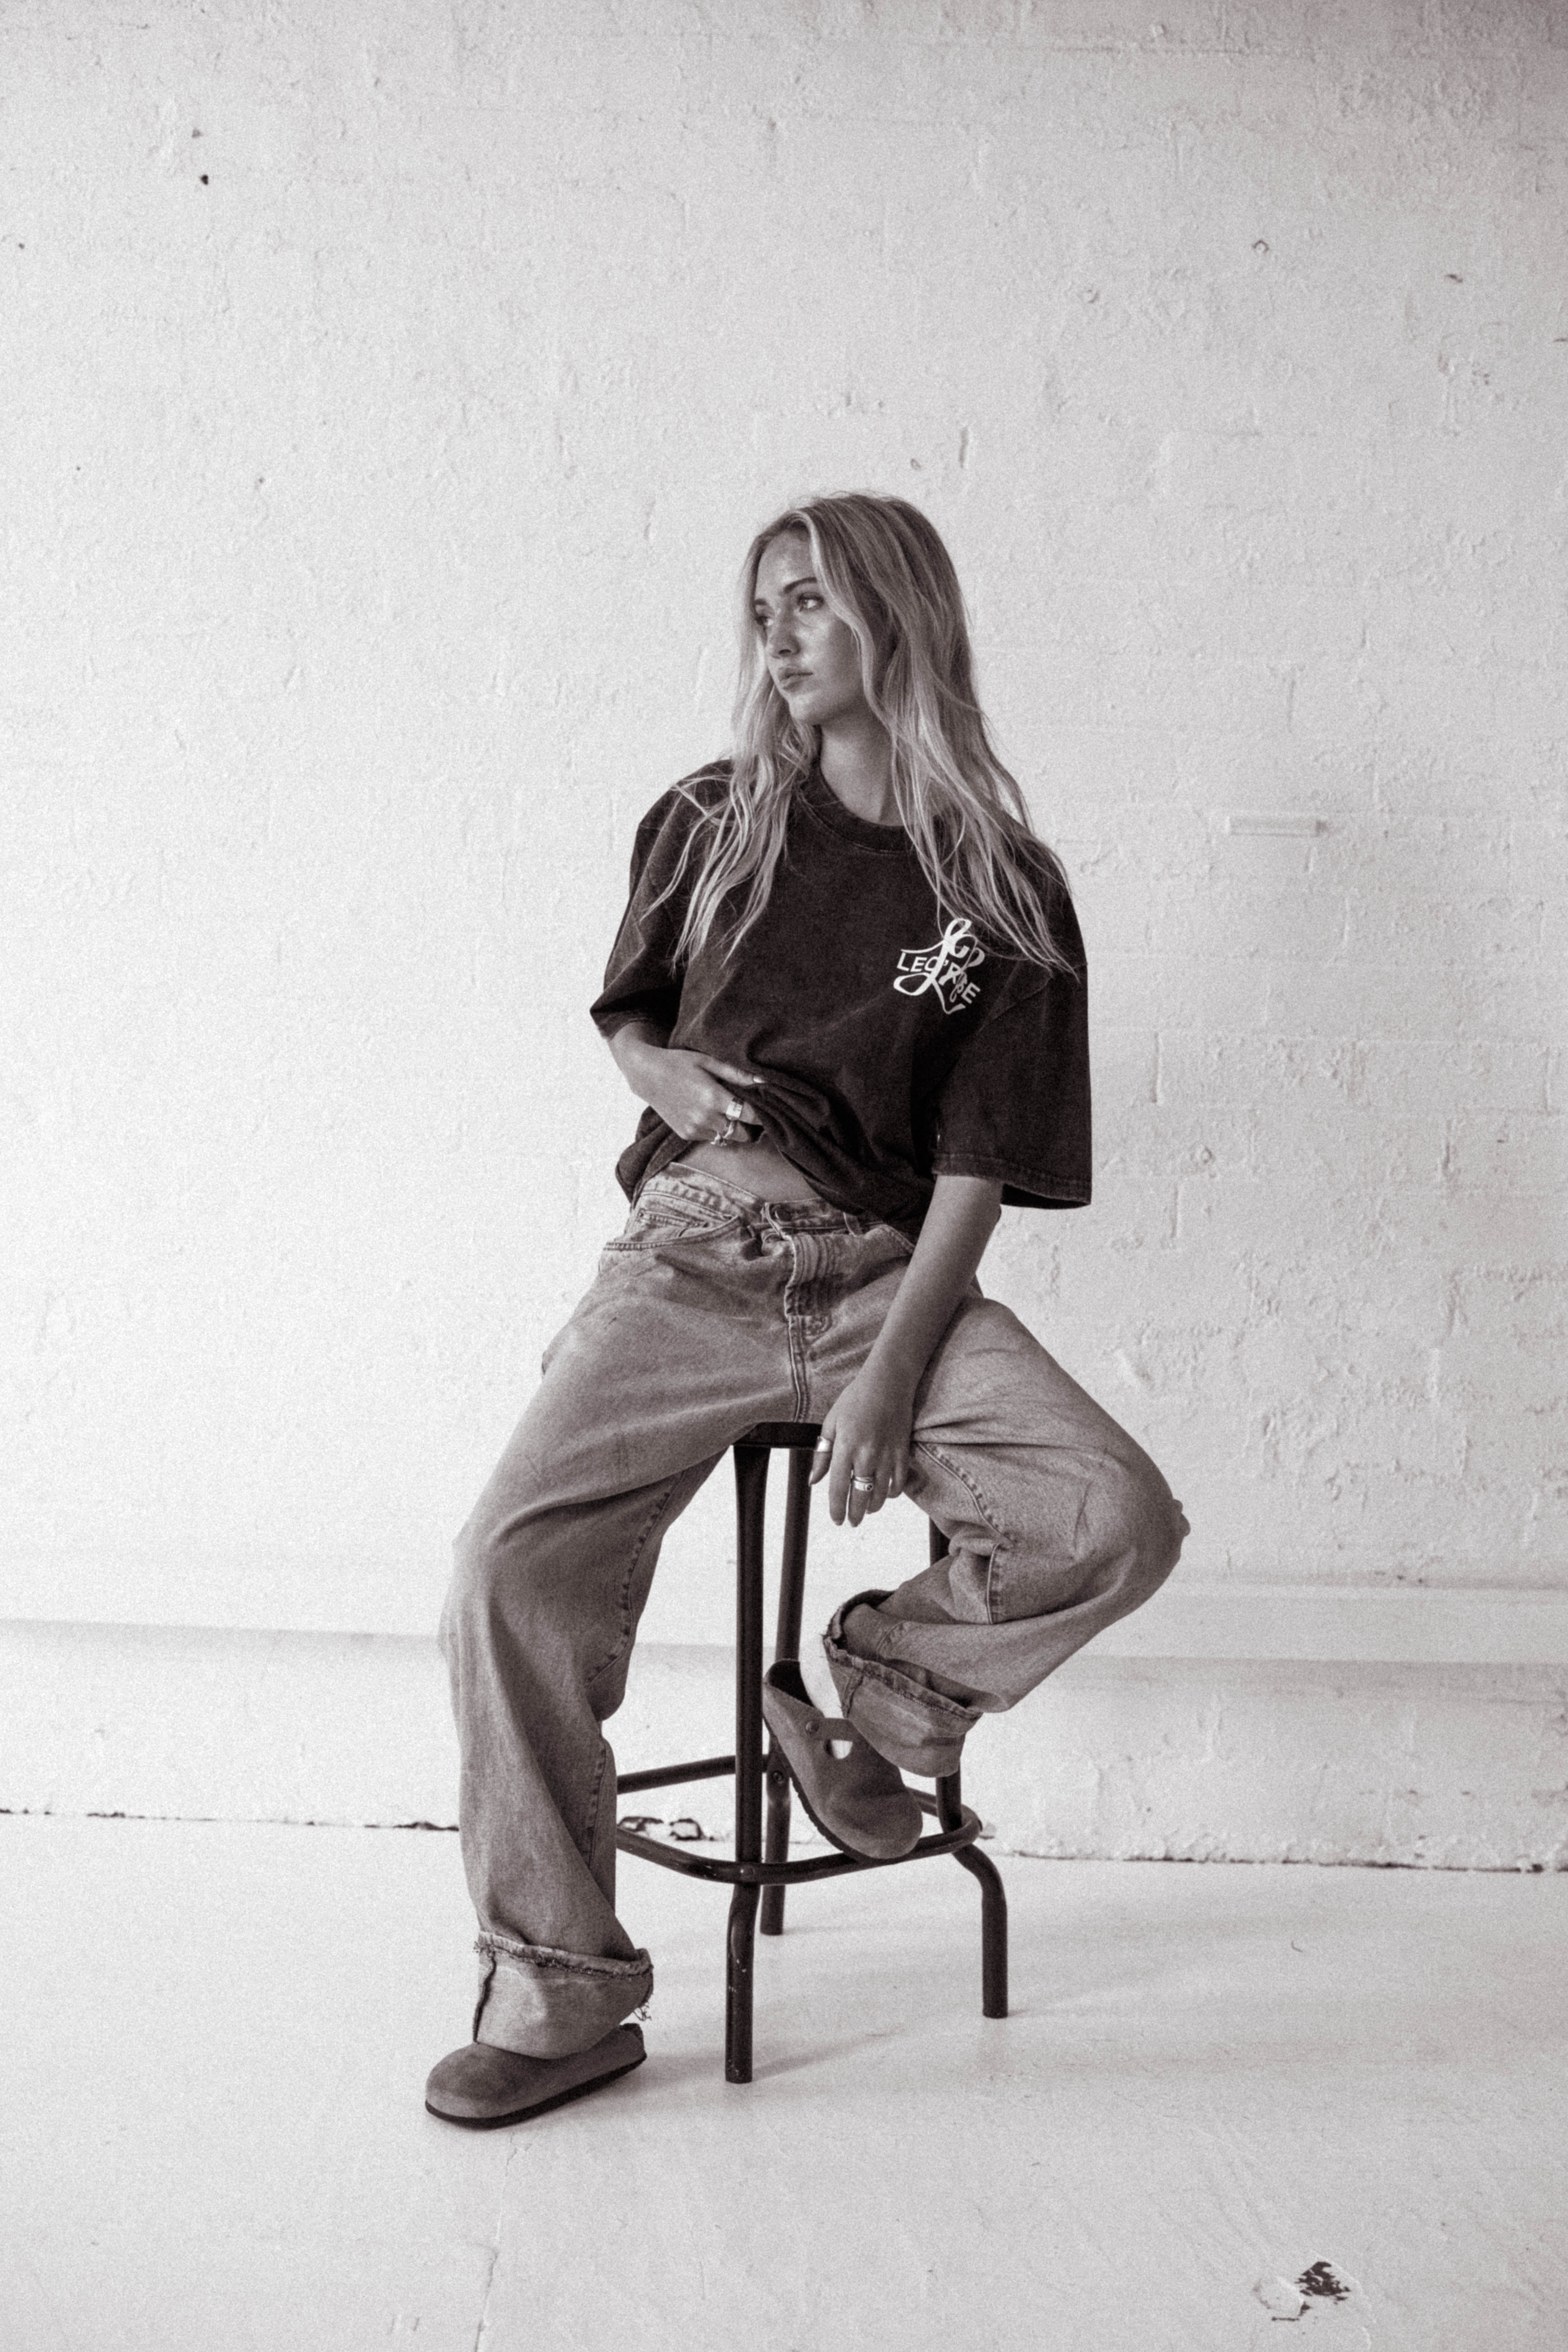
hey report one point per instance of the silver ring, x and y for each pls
(726, 1133)
(823, 1446)
(733, 1110)
(863, 1485)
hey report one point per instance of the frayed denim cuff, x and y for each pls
(548, 2004)
(914, 1727)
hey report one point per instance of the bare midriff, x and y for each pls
(755, 1167)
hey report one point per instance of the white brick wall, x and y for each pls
(375, 502)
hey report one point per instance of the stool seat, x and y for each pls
(759, 1874)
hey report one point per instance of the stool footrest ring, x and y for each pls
(773, 1874)
(670, 1776)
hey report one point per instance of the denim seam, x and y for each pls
(796, 1332)
(800, 1385)
(483, 1994)
(924, 1445)
(590, 1820)
(614, 1657)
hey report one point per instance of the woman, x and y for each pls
(850, 990)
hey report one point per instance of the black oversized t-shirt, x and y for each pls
(897, 1045)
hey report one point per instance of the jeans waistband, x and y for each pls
(702, 1186)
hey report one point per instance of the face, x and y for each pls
(812, 656)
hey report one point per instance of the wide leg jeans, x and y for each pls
(711, 1310)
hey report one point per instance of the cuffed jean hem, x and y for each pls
(549, 2004)
(915, 1728)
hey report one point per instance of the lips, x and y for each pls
(792, 677)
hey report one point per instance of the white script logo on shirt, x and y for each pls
(943, 967)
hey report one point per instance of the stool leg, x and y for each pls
(739, 1949)
(993, 1902)
(792, 1599)
(750, 1503)
(993, 1893)
(776, 1848)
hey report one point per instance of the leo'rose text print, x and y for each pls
(944, 969)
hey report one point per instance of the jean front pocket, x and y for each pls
(667, 1219)
(882, 1241)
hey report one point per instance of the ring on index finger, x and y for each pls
(734, 1109)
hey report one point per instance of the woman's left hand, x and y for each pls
(869, 1425)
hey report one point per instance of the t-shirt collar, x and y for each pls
(828, 810)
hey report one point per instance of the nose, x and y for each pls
(781, 636)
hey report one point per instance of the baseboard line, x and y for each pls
(1397, 1623)
(1431, 1761)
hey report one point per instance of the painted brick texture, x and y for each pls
(393, 391)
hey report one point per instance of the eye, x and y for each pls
(807, 603)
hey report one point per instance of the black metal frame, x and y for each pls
(761, 1871)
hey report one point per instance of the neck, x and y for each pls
(856, 762)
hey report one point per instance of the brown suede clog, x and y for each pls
(859, 1800)
(483, 2087)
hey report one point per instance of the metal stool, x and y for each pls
(762, 1876)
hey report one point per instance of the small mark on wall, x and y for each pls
(1274, 821)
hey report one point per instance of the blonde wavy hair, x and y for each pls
(887, 575)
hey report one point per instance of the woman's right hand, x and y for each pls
(690, 1092)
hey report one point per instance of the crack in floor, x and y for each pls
(496, 2248)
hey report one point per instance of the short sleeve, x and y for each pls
(643, 977)
(1016, 1103)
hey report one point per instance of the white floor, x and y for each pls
(213, 2139)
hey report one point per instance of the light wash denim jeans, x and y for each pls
(714, 1309)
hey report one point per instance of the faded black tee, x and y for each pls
(897, 1045)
